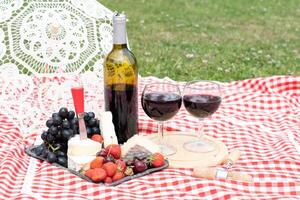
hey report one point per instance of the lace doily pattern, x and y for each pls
(46, 38)
(2, 45)
(7, 7)
(105, 30)
(53, 36)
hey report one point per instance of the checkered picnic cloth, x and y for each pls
(261, 117)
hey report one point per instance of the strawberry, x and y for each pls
(97, 138)
(99, 175)
(114, 150)
(97, 162)
(118, 176)
(89, 173)
(108, 180)
(156, 160)
(121, 165)
(110, 168)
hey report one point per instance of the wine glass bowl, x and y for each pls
(201, 99)
(161, 102)
(161, 106)
(201, 105)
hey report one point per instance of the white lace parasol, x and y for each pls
(54, 36)
(44, 46)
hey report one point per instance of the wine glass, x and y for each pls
(201, 99)
(161, 102)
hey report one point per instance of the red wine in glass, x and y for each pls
(161, 106)
(161, 102)
(201, 105)
(201, 99)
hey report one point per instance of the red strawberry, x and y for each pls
(97, 138)
(118, 176)
(97, 162)
(110, 168)
(99, 175)
(108, 180)
(121, 165)
(157, 160)
(114, 150)
(89, 173)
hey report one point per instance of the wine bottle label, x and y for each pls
(119, 73)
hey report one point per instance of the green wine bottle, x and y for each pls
(120, 83)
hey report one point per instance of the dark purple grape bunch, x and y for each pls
(92, 124)
(61, 127)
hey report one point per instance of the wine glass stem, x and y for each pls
(161, 132)
(200, 129)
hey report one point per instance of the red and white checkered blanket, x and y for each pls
(261, 117)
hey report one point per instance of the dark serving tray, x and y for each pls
(31, 153)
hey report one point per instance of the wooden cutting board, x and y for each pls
(186, 159)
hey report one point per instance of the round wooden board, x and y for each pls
(186, 159)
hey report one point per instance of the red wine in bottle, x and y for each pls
(120, 83)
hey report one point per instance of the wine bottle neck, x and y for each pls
(119, 30)
(120, 46)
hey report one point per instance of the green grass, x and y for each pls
(217, 40)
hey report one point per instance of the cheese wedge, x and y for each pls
(141, 141)
(81, 152)
(86, 147)
(107, 129)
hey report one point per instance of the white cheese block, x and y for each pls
(139, 140)
(81, 152)
(86, 147)
(78, 163)
(107, 129)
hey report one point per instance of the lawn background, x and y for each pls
(217, 40)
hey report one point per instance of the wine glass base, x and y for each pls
(200, 146)
(167, 150)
